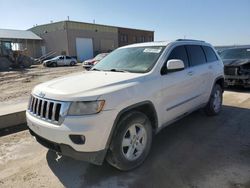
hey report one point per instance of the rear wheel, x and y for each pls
(132, 142)
(214, 104)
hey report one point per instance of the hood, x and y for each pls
(89, 61)
(86, 85)
(235, 62)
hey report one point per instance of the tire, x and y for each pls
(72, 63)
(214, 104)
(132, 142)
(54, 64)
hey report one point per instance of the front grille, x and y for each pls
(231, 71)
(45, 109)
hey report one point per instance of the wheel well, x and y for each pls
(220, 81)
(149, 111)
(147, 108)
(144, 107)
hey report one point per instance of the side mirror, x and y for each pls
(175, 65)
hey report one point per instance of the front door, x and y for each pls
(179, 89)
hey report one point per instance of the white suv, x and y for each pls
(113, 111)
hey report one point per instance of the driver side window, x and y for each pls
(178, 52)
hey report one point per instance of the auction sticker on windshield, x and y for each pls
(152, 50)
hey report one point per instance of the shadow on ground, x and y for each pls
(197, 151)
(238, 89)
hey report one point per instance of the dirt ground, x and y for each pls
(195, 152)
(17, 84)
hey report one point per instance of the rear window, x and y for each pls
(210, 54)
(196, 55)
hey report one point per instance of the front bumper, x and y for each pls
(87, 66)
(95, 128)
(66, 150)
(239, 80)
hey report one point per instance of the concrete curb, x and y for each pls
(12, 119)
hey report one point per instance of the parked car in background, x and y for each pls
(114, 110)
(61, 60)
(236, 66)
(88, 64)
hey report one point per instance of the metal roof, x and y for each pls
(18, 34)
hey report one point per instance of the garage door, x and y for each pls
(84, 48)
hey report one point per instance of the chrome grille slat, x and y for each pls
(31, 101)
(35, 104)
(42, 108)
(54, 112)
(46, 109)
(37, 107)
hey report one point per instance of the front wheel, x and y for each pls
(214, 104)
(54, 64)
(132, 142)
(72, 63)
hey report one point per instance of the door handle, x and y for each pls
(190, 73)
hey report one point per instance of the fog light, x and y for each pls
(77, 139)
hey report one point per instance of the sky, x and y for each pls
(220, 22)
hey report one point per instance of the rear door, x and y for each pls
(199, 72)
(212, 66)
(67, 60)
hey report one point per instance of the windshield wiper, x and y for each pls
(95, 69)
(117, 70)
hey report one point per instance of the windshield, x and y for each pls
(135, 59)
(55, 58)
(237, 53)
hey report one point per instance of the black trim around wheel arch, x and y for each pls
(218, 78)
(127, 109)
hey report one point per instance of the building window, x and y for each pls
(137, 39)
(150, 38)
(143, 39)
(134, 38)
(124, 38)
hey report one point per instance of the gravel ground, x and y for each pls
(195, 152)
(16, 85)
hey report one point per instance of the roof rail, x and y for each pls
(190, 40)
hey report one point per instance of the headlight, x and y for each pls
(85, 108)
